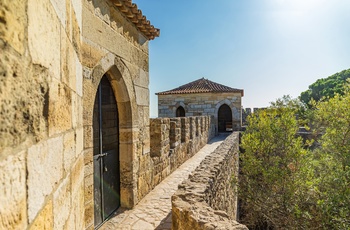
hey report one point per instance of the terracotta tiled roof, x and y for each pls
(201, 86)
(131, 11)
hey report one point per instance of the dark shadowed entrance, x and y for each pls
(180, 112)
(106, 153)
(224, 118)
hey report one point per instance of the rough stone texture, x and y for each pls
(23, 92)
(154, 210)
(44, 35)
(13, 197)
(125, 63)
(202, 104)
(207, 199)
(45, 169)
(53, 56)
(12, 24)
(59, 100)
(168, 151)
(44, 220)
(62, 204)
(41, 110)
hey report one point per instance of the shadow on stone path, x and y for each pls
(154, 210)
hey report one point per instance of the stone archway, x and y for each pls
(224, 118)
(180, 112)
(177, 106)
(120, 80)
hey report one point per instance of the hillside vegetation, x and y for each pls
(326, 87)
(285, 184)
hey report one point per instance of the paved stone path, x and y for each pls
(154, 210)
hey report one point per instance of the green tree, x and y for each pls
(333, 169)
(326, 87)
(274, 177)
(283, 185)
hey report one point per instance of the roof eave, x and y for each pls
(131, 11)
(172, 93)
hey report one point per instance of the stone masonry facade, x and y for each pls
(53, 56)
(202, 104)
(173, 141)
(207, 199)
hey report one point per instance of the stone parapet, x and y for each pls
(207, 199)
(172, 142)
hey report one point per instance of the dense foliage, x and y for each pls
(272, 184)
(326, 87)
(332, 172)
(285, 185)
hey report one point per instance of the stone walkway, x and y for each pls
(154, 210)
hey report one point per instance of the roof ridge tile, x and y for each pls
(201, 85)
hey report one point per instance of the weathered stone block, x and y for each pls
(43, 35)
(13, 23)
(88, 156)
(44, 220)
(207, 200)
(69, 150)
(88, 135)
(23, 93)
(45, 169)
(77, 175)
(13, 198)
(76, 219)
(62, 204)
(142, 79)
(142, 96)
(79, 138)
(78, 76)
(128, 199)
(76, 33)
(60, 10)
(60, 99)
(89, 214)
(77, 6)
(68, 62)
(88, 192)
(91, 54)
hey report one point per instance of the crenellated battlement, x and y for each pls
(172, 142)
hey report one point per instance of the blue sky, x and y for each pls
(269, 48)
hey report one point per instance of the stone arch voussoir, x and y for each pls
(120, 78)
(219, 104)
(177, 105)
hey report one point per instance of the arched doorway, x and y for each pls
(224, 118)
(106, 153)
(180, 112)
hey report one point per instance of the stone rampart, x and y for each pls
(207, 199)
(172, 142)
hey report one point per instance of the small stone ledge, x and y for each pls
(207, 200)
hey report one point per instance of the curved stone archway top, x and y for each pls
(116, 70)
(178, 104)
(220, 103)
(120, 78)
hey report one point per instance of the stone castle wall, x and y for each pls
(201, 104)
(41, 112)
(207, 199)
(53, 55)
(173, 141)
(111, 45)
